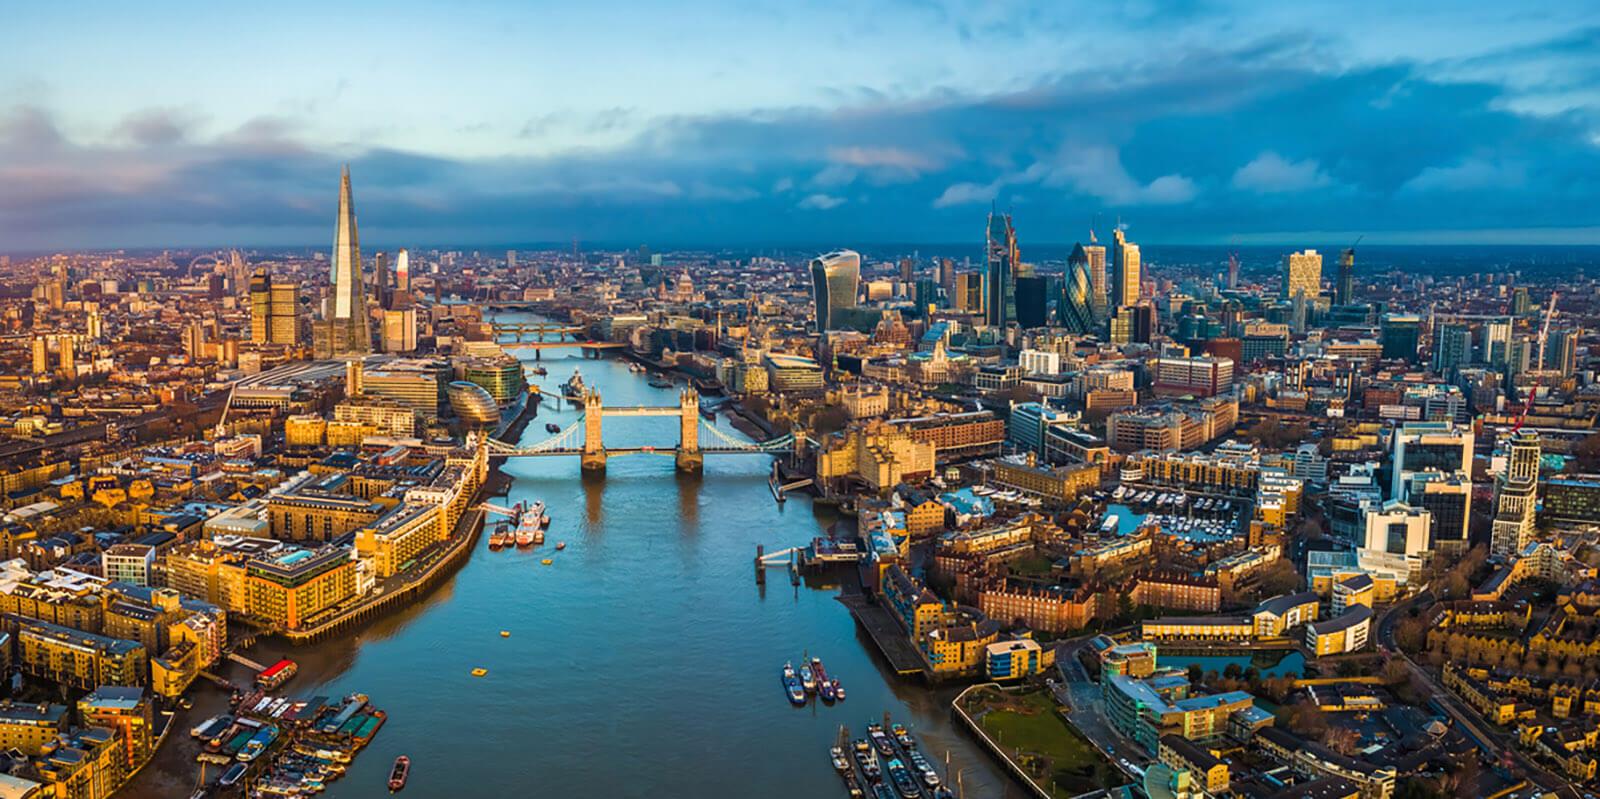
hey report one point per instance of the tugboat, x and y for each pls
(560, 545)
(791, 685)
(398, 774)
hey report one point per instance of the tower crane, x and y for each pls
(1538, 375)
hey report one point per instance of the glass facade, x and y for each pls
(834, 278)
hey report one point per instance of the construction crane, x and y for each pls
(1538, 374)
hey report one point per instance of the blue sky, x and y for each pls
(834, 123)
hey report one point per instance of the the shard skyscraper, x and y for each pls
(347, 330)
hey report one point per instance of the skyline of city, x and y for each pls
(1243, 125)
(1169, 399)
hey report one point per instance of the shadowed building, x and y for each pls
(834, 278)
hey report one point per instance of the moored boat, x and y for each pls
(808, 680)
(232, 775)
(903, 782)
(868, 760)
(500, 537)
(276, 675)
(399, 773)
(879, 740)
(574, 388)
(791, 685)
(824, 685)
(902, 737)
(838, 690)
(839, 763)
(528, 525)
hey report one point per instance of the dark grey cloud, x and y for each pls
(1200, 144)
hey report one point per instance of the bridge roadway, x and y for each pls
(631, 451)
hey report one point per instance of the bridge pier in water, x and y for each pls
(594, 448)
(689, 457)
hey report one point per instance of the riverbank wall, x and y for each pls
(994, 749)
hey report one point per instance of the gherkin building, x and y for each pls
(1076, 308)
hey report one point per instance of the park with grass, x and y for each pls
(1029, 726)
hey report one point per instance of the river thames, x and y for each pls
(643, 662)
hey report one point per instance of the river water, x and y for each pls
(642, 663)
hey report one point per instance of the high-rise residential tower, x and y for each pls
(1302, 274)
(947, 277)
(834, 281)
(1516, 499)
(347, 330)
(1125, 270)
(1344, 291)
(999, 287)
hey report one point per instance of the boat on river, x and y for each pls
(574, 389)
(501, 536)
(552, 427)
(879, 740)
(868, 760)
(824, 685)
(660, 382)
(903, 781)
(399, 773)
(528, 525)
(838, 690)
(808, 679)
(839, 761)
(791, 685)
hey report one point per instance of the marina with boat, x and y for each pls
(272, 746)
(811, 679)
(888, 763)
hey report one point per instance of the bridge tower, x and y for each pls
(690, 458)
(594, 448)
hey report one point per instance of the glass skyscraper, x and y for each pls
(834, 278)
(999, 289)
(1125, 289)
(347, 330)
(1075, 309)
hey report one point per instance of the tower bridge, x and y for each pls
(584, 437)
